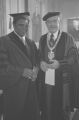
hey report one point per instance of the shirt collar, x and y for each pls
(19, 35)
(55, 35)
(21, 38)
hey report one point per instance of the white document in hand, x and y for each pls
(50, 77)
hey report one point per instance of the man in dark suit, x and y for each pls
(18, 71)
(58, 56)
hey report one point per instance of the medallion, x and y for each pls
(51, 56)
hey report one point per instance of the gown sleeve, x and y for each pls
(69, 75)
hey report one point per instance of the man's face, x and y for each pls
(53, 24)
(21, 27)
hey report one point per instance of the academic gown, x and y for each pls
(54, 98)
(20, 97)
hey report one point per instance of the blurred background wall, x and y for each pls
(37, 8)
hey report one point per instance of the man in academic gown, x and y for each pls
(18, 72)
(58, 55)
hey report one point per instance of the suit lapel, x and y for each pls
(15, 39)
(30, 49)
(43, 43)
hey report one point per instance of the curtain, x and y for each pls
(7, 7)
(2, 17)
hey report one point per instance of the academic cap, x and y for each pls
(17, 16)
(50, 14)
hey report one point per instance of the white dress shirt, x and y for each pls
(54, 35)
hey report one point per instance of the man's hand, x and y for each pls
(43, 66)
(55, 64)
(35, 72)
(28, 73)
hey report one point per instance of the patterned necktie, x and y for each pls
(51, 41)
